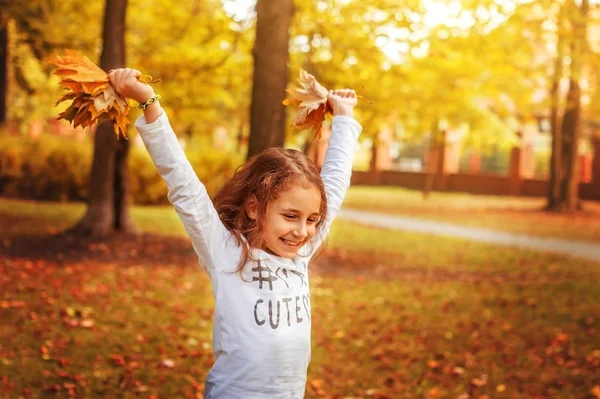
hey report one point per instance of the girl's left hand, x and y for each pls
(342, 102)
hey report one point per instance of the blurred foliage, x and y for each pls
(203, 66)
(49, 168)
(57, 168)
(486, 65)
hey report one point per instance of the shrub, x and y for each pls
(48, 168)
(57, 169)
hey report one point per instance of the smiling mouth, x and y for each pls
(293, 244)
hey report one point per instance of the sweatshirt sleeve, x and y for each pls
(336, 172)
(187, 194)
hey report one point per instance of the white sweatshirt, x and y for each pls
(262, 319)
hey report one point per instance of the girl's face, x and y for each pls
(291, 220)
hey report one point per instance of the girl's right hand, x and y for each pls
(126, 84)
(342, 101)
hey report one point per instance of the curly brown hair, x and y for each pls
(262, 179)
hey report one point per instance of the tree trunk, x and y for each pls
(566, 180)
(271, 53)
(555, 127)
(433, 157)
(569, 197)
(108, 204)
(3, 68)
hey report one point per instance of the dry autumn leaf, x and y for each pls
(311, 100)
(480, 382)
(94, 99)
(118, 360)
(317, 384)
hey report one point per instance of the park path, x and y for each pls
(582, 249)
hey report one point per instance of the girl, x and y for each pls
(255, 242)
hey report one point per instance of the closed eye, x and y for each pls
(289, 216)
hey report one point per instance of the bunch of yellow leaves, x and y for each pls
(94, 99)
(311, 101)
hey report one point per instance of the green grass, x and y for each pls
(512, 214)
(395, 315)
(387, 250)
(52, 217)
(416, 250)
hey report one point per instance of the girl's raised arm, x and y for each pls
(337, 166)
(187, 194)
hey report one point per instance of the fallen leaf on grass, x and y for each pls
(480, 382)
(560, 338)
(317, 385)
(377, 394)
(140, 388)
(594, 358)
(433, 364)
(117, 360)
(12, 304)
(45, 352)
(434, 393)
(87, 323)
